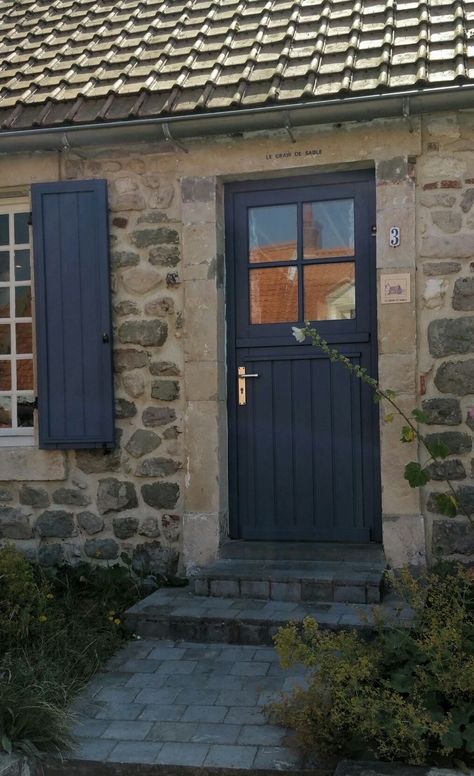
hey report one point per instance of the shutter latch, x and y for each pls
(105, 337)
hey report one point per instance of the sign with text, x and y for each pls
(395, 289)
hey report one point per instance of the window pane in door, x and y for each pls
(24, 338)
(5, 343)
(272, 233)
(328, 228)
(329, 292)
(5, 375)
(274, 295)
(4, 302)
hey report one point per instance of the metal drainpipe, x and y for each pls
(428, 97)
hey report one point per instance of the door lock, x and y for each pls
(242, 387)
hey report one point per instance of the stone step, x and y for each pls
(288, 580)
(177, 614)
(66, 767)
(237, 549)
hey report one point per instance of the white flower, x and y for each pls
(298, 334)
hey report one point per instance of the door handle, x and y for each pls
(242, 388)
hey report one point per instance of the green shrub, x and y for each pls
(57, 628)
(402, 695)
(23, 598)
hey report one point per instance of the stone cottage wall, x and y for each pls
(90, 504)
(163, 492)
(445, 246)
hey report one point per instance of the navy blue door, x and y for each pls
(303, 432)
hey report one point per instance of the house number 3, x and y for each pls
(394, 236)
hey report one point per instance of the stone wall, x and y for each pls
(163, 491)
(445, 214)
(91, 504)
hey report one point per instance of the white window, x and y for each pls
(16, 326)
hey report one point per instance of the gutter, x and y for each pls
(404, 103)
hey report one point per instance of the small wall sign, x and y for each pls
(394, 236)
(304, 153)
(395, 289)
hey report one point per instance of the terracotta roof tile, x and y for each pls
(84, 60)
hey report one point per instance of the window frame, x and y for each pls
(18, 436)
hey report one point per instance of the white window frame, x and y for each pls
(17, 436)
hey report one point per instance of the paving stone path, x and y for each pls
(182, 703)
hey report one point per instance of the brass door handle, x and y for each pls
(242, 388)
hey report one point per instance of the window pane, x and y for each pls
(24, 375)
(274, 295)
(25, 409)
(272, 233)
(21, 228)
(4, 302)
(22, 265)
(329, 292)
(328, 228)
(24, 338)
(4, 238)
(5, 412)
(4, 266)
(23, 302)
(5, 376)
(5, 344)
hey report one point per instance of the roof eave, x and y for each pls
(324, 111)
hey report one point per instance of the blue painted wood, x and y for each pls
(304, 451)
(73, 317)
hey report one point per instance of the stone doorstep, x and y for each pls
(237, 549)
(278, 580)
(93, 768)
(179, 615)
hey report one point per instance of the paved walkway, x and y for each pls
(181, 703)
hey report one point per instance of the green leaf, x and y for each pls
(6, 744)
(408, 434)
(390, 394)
(438, 449)
(468, 735)
(389, 418)
(447, 504)
(416, 476)
(420, 416)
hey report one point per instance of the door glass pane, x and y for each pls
(329, 292)
(5, 345)
(25, 408)
(328, 228)
(4, 229)
(24, 338)
(22, 265)
(4, 266)
(5, 412)
(4, 302)
(272, 233)
(274, 295)
(5, 376)
(24, 374)
(22, 236)
(23, 302)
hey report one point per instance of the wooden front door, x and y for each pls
(303, 449)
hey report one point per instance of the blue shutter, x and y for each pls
(73, 322)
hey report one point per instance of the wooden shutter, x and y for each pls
(73, 322)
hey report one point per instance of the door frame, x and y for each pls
(267, 184)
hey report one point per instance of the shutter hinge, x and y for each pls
(30, 219)
(373, 230)
(35, 403)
